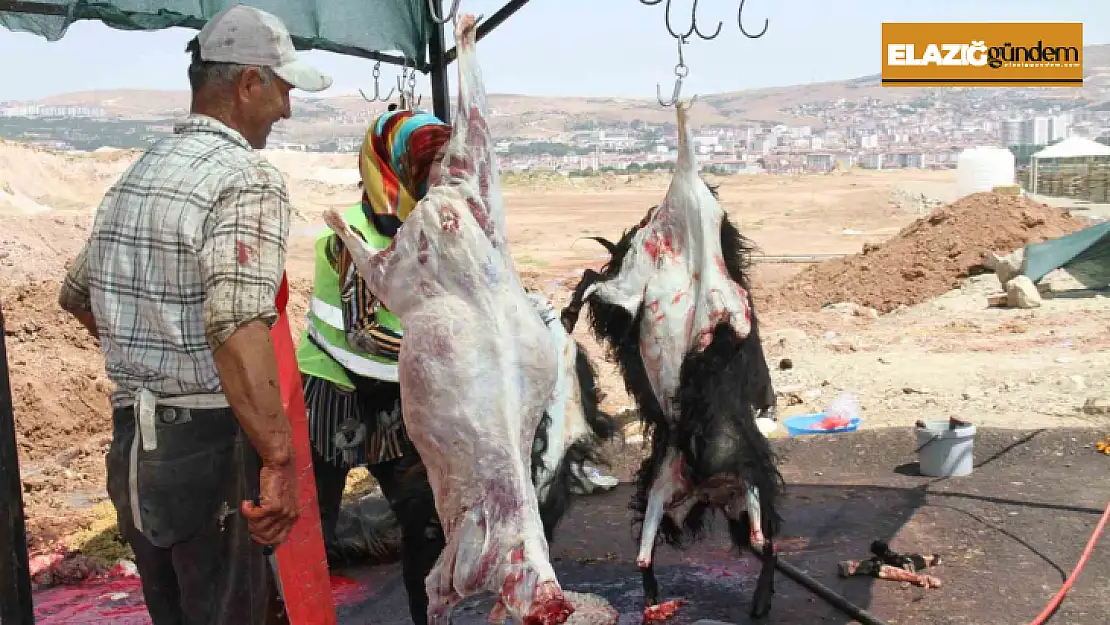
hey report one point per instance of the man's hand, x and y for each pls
(270, 522)
(86, 319)
(248, 373)
(74, 294)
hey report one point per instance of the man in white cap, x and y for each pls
(178, 281)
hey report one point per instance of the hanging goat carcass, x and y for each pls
(673, 305)
(477, 370)
(573, 427)
(570, 434)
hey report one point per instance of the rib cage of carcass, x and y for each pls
(477, 369)
(673, 307)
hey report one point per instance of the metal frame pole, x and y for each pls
(16, 607)
(437, 62)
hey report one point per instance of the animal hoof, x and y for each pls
(335, 221)
(764, 591)
(761, 605)
(569, 319)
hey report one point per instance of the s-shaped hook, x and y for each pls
(450, 14)
(694, 29)
(740, 21)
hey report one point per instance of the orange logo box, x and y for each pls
(983, 55)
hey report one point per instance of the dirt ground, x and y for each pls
(950, 355)
(1007, 536)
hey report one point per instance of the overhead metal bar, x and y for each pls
(16, 606)
(83, 13)
(487, 25)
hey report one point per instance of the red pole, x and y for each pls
(302, 562)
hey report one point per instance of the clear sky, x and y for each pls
(569, 47)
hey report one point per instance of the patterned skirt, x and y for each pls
(357, 427)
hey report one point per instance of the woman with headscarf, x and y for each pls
(348, 354)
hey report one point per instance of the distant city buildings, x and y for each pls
(1039, 130)
(927, 131)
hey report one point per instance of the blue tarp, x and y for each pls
(1090, 245)
(343, 26)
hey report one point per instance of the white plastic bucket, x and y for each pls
(944, 452)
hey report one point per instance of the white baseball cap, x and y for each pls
(248, 36)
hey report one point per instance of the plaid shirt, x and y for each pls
(189, 245)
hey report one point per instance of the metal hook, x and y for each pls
(667, 19)
(406, 87)
(740, 21)
(416, 99)
(681, 71)
(674, 96)
(377, 87)
(694, 22)
(442, 20)
(402, 79)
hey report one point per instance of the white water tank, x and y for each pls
(982, 169)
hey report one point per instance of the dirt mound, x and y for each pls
(59, 389)
(62, 413)
(927, 258)
(34, 179)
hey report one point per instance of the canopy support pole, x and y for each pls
(437, 64)
(16, 607)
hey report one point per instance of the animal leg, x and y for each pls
(765, 585)
(368, 263)
(442, 598)
(665, 489)
(756, 517)
(569, 314)
(650, 582)
(745, 525)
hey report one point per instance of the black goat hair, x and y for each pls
(715, 430)
(559, 497)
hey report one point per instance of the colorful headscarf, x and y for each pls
(396, 156)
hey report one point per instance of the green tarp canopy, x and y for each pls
(353, 27)
(1089, 246)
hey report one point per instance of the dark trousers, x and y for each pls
(198, 563)
(404, 483)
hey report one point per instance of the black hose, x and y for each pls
(829, 595)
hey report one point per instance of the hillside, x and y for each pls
(535, 117)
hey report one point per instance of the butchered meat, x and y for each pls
(673, 305)
(477, 369)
